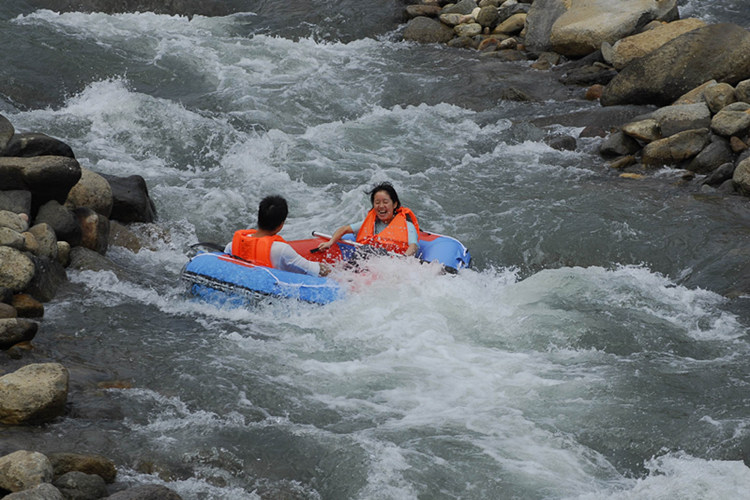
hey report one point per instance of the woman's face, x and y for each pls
(384, 206)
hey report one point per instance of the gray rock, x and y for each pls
(17, 201)
(487, 17)
(16, 269)
(13, 221)
(742, 91)
(34, 144)
(462, 7)
(46, 240)
(676, 148)
(619, 144)
(11, 238)
(131, 201)
(539, 21)
(90, 464)
(44, 491)
(50, 275)
(94, 229)
(23, 469)
(718, 96)
(47, 177)
(720, 175)
(681, 117)
(734, 119)
(717, 51)
(741, 177)
(92, 191)
(426, 30)
(62, 220)
(15, 330)
(712, 157)
(6, 132)
(32, 394)
(77, 485)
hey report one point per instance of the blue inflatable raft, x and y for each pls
(221, 278)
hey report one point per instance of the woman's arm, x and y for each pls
(335, 237)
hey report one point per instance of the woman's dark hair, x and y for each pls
(388, 188)
(272, 212)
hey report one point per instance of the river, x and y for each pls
(598, 347)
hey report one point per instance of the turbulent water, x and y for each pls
(597, 349)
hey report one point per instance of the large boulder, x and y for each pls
(131, 202)
(47, 177)
(539, 21)
(635, 46)
(92, 191)
(34, 144)
(676, 148)
(587, 24)
(23, 469)
(77, 485)
(427, 30)
(90, 464)
(33, 393)
(50, 275)
(43, 491)
(719, 51)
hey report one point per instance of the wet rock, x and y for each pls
(94, 229)
(719, 96)
(35, 144)
(461, 7)
(643, 130)
(44, 491)
(676, 148)
(427, 30)
(131, 202)
(712, 157)
(733, 120)
(681, 117)
(719, 51)
(16, 330)
(7, 311)
(562, 142)
(89, 464)
(16, 201)
(413, 11)
(633, 47)
(77, 485)
(62, 220)
(741, 177)
(511, 26)
(34, 393)
(13, 221)
(27, 306)
(23, 469)
(583, 28)
(92, 191)
(16, 269)
(619, 144)
(11, 238)
(146, 492)
(47, 177)
(720, 175)
(50, 275)
(6, 132)
(46, 240)
(540, 19)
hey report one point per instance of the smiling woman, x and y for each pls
(388, 225)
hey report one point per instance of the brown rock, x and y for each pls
(27, 306)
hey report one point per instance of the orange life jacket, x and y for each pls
(255, 250)
(395, 237)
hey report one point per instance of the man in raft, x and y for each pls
(264, 247)
(387, 225)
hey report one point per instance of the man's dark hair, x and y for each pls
(272, 212)
(388, 188)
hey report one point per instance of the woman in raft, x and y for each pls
(387, 225)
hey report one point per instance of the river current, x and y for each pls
(598, 348)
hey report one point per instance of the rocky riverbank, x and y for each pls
(54, 214)
(696, 77)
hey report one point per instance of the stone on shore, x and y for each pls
(587, 24)
(676, 148)
(17, 201)
(6, 132)
(741, 177)
(23, 469)
(94, 229)
(539, 21)
(89, 464)
(716, 154)
(426, 30)
(14, 331)
(46, 240)
(92, 191)
(35, 144)
(44, 491)
(719, 96)
(719, 51)
(131, 202)
(62, 220)
(13, 221)
(732, 120)
(681, 117)
(27, 306)
(80, 486)
(47, 177)
(34, 393)
(635, 46)
(16, 269)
